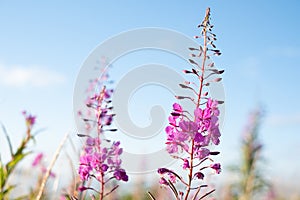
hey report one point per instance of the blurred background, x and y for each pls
(43, 45)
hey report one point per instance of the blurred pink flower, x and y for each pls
(30, 119)
(37, 160)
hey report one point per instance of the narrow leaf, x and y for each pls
(175, 114)
(16, 159)
(195, 72)
(201, 49)
(82, 135)
(193, 49)
(113, 130)
(221, 71)
(214, 153)
(205, 94)
(8, 139)
(211, 64)
(187, 72)
(180, 97)
(183, 86)
(193, 62)
(217, 80)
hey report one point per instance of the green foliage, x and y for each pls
(7, 169)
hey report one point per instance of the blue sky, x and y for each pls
(43, 44)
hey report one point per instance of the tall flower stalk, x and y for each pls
(100, 159)
(189, 136)
(251, 182)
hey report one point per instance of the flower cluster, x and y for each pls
(97, 161)
(101, 157)
(181, 131)
(203, 130)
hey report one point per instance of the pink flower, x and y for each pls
(37, 160)
(201, 153)
(172, 121)
(213, 105)
(90, 141)
(177, 108)
(162, 170)
(85, 167)
(216, 167)
(84, 171)
(104, 167)
(172, 147)
(169, 131)
(186, 164)
(172, 177)
(82, 188)
(189, 128)
(177, 111)
(163, 181)
(200, 139)
(214, 131)
(30, 119)
(120, 174)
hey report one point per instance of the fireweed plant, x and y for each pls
(100, 159)
(189, 136)
(251, 183)
(6, 170)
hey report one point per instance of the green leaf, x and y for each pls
(7, 138)
(16, 159)
(3, 175)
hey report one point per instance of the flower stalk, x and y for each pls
(100, 160)
(189, 140)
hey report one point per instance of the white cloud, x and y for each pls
(283, 119)
(20, 76)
